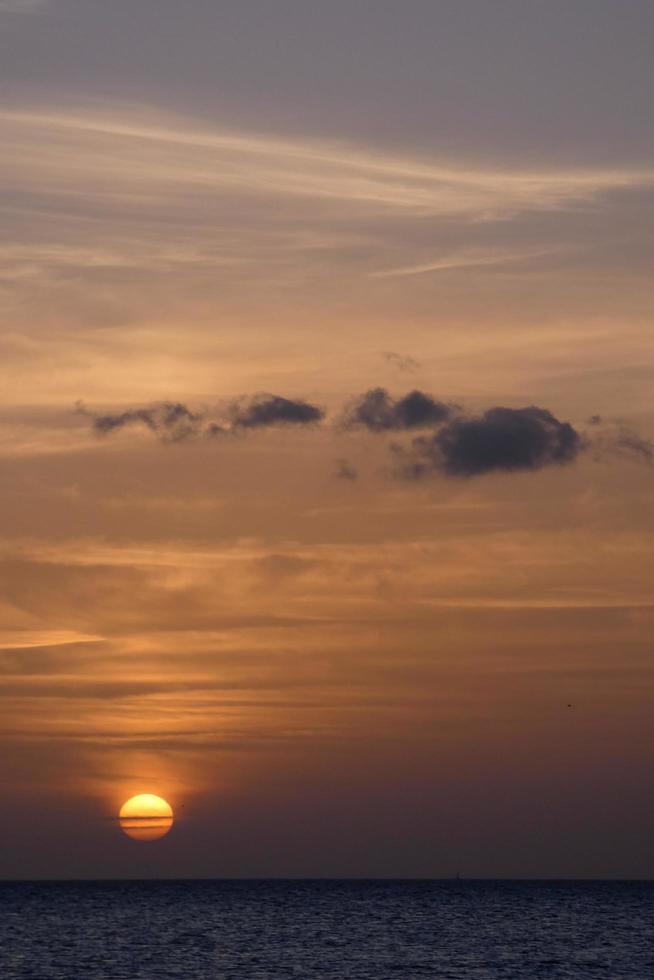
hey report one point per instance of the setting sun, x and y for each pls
(327, 471)
(146, 817)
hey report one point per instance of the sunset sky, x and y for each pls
(341, 630)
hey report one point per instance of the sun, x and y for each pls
(146, 817)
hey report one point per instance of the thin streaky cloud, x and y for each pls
(466, 260)
(218, 159)
(30, 639)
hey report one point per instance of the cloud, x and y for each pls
(633, 444)
(263, 411)
(346, 471)
(214, 429)
(377, 411)
(401, 361)
(616, 438)
(216, 159)
(466, 259)
(502, 439)
(171, 421)
(123, 215)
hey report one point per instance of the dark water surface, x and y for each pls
(332, 930)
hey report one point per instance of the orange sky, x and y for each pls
(327, 667)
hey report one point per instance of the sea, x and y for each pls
(327, 930)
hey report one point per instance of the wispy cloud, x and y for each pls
(116, 215)
(403, 362)
(152, 152)
(466, 259)
(36, 639)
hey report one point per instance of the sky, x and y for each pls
(326, 437)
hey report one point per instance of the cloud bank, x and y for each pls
(463, 446)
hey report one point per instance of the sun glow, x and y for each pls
(146, 817)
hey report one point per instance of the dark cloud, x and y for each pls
(171, 421)
(502, 439)
(268, 410)
(377, 411)
(346, 471)
(175, 422)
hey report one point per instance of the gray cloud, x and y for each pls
(175, 422)
(377, 411)
(171, 421)
(269, 410)
(502, 439)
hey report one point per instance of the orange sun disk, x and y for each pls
(146, 817)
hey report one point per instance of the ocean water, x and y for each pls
(328, 930)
